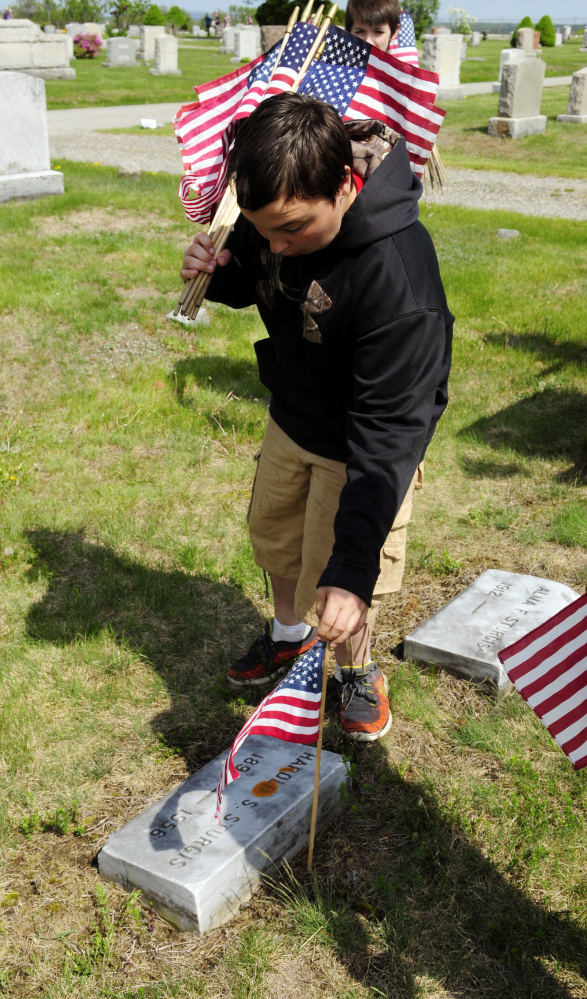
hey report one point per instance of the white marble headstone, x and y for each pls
(497, 609)
(166, 56)
(25, 166)
(197, 871)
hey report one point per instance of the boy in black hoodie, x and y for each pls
(346, 281)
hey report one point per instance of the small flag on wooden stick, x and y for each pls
(549, 668)
(290, 712)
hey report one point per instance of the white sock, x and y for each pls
(289, 632)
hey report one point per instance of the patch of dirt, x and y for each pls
(100, 220)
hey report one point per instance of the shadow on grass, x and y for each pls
(220, 373)
(411, 899)
(551, 424)
(559, 354)
(187, 627)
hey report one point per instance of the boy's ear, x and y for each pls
(347, 184)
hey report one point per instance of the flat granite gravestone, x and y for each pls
(497, 609)
(518, 113)
(165, 56)
(197, 872)
(25, 164)
(577, 106)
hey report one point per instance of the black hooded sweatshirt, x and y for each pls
(359, 347)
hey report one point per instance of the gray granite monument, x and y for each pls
(496, 610)
(584, 45)
(270, 34)
(121, 52)
(227, 41)
(197, 871)
(149, 32)
(25, 166)
(518, 113)
(577, 106)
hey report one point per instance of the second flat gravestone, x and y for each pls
(497, 609)
(197, 871)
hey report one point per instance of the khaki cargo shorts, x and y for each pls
(291, 520)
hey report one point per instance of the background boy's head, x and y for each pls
(375, 21)
(291, 165)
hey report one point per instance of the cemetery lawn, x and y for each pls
(561, 61)
(561, 152)
(97, 86)
(128, 587)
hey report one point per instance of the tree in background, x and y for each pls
(126, 12)
(423, 13)
(460, 22)
(275, 11)
(239, 13)
(524, 23)
(80, 11)
(178, 19)
(154, 15)
(546, 29)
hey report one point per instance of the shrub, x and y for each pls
(154, 15)
(524, 23)
(546, 29)
(86, 46)
(179, 19)
(275, 11)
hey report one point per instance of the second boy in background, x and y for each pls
(382, 23)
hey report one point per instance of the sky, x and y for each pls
(561, 11)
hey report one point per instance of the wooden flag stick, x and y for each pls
(325, 666)
(315, 46)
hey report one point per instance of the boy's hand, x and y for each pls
(341, 613)
(199, 256)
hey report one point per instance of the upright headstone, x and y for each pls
(245, 44)
(69, 45)
(567, 32)
(227, 40)
(270, 34)
(525, 39)
(577, 106)
(74, 28)
(121, 52)
(518, 113)
(558, 38)
(497, 609)
(196, 871)
(442, 54)
(49, 29)
(133, 31)
(149, 32)
(475, 38)
(92, 28)
(584, 45)
(165, 56)
(27, 49)
(536, 44)
(25, 166)
(506, 57)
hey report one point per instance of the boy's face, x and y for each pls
(379, 36)
(302, 225)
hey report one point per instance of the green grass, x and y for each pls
(560, 152)
(97, 86)
(128, 586)
(562, 61)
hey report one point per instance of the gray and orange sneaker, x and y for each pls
(267, 660)
(364, 705)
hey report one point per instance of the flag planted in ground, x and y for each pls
(549, 668)
(403, 46)
(290, 712)
(360, 81)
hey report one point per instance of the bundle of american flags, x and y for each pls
(360, 81)
(403, 46)
(549, 668)
(290, 712)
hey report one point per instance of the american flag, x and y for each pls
(549, 668)
(360, 81)
(403, 46)
(290, 712)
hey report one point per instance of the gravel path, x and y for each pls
(556, 197)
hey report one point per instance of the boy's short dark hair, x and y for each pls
(291, 146)
(372, 13)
